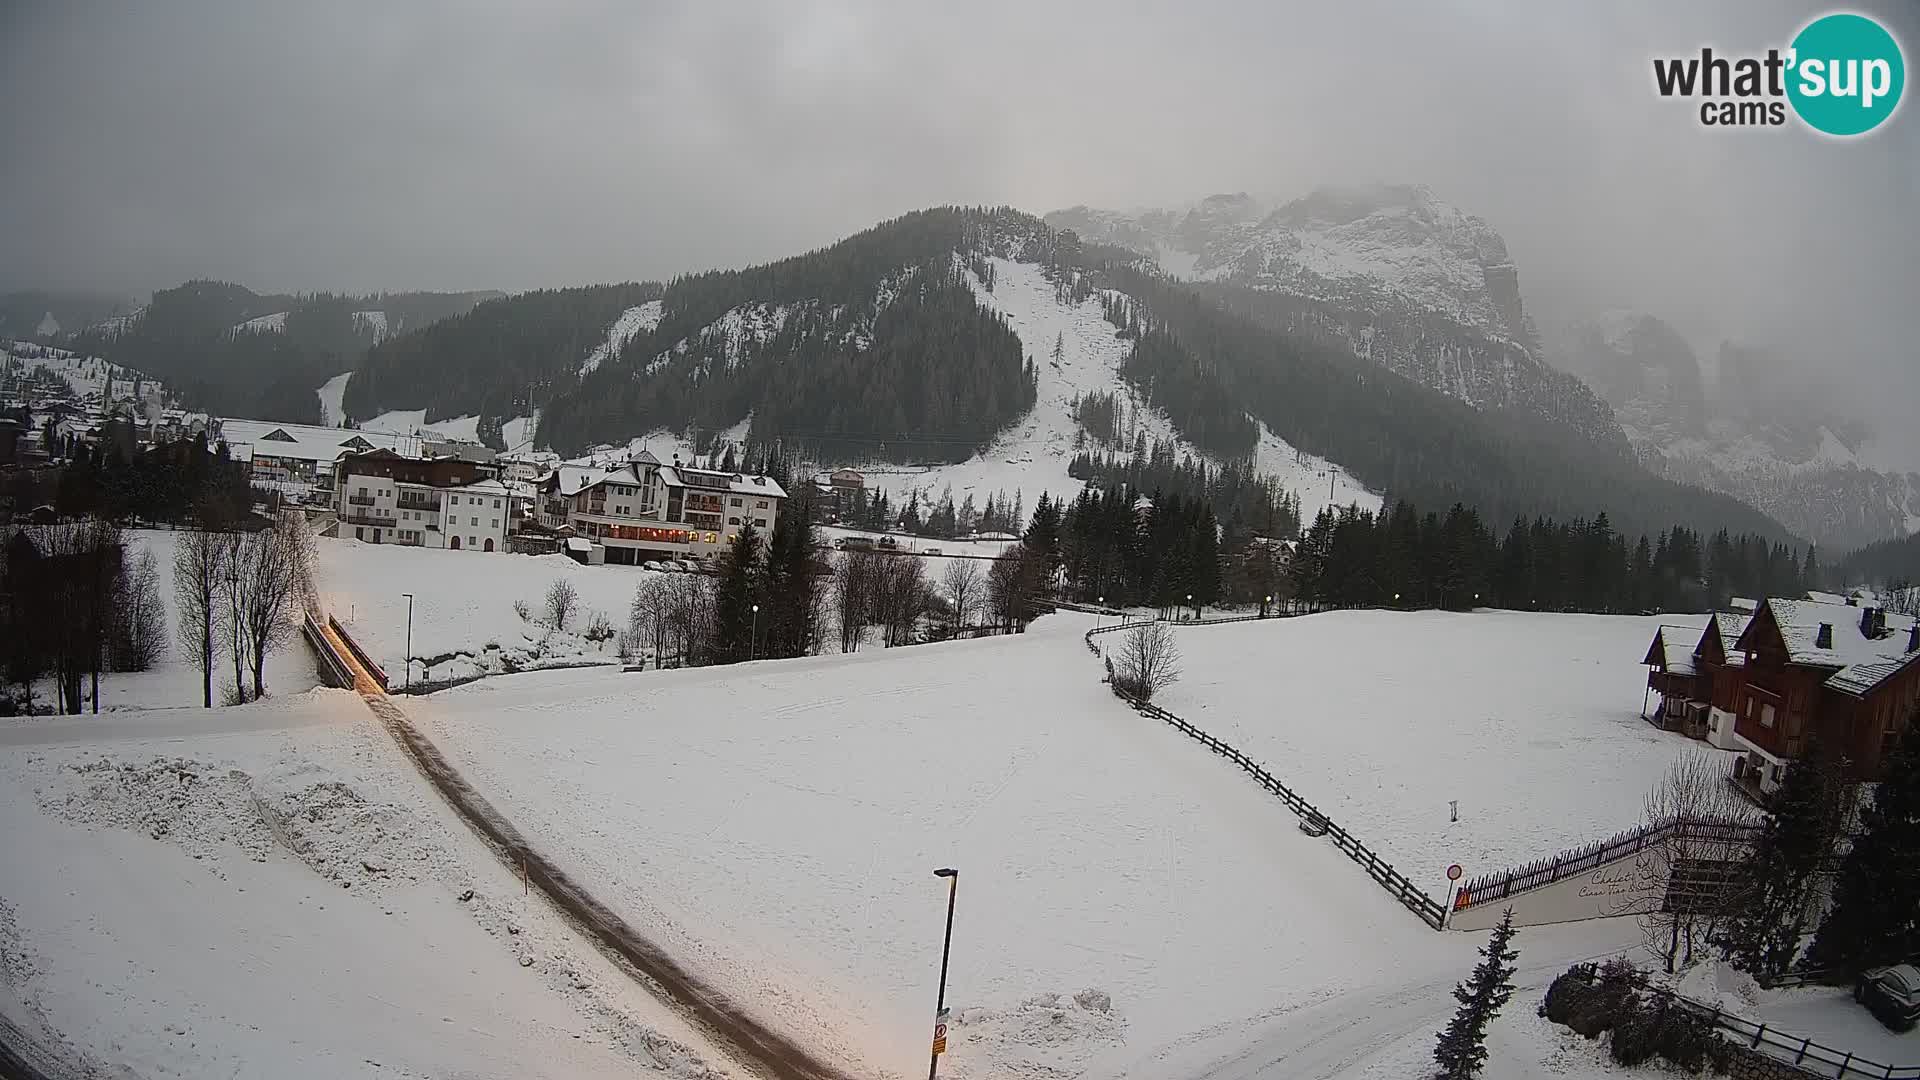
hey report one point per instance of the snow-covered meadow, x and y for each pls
(1126, 904)
(1382, 719)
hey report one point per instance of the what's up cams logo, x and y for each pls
(1842, 75)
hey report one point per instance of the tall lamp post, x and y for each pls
(407, 682)
(946, 949)
(753, 641)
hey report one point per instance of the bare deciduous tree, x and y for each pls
(1011, 586)
(962, 581)
(198, 566)
(276, 581)
(900, 597)
(1675, 886)
(562, 601)
(140, 616)
(1149, 661)
(853, 586)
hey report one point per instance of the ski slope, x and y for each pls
(332, 393)
(1124, 900)
(414, 422)
(1530, 721)
(636, 320)
(1032, 456)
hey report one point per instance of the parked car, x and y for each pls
(888, 543)
(932, 551)
(1892, 994)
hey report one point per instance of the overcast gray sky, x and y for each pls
(379, 144)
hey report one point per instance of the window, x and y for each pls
(496, 504)
(471, 541)
(496, 523)
(474, 521)
(760, 523)
(736, 502)
(761, 505)
(733, 521)
(1766, 716)
(454, 499)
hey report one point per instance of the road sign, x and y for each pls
(940, 1033)
(1453, 872)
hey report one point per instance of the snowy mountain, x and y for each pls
(1763, 437)
(1391, 272)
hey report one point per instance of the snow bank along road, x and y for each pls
(774, 1054)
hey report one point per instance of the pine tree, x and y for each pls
(1773, 895)
(1875, 918)
(739, 589)
(1462, 1048)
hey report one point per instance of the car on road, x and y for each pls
(1892, 994)
(932, 551)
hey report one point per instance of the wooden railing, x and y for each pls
(1428, 910)
(379, 674)
(333, 670)
(1491, 888)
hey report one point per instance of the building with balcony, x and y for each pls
(643, 510)
(1838, 670)
(383, 497)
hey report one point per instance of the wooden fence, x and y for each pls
(333, 671)
(379, 674)
(1494, 887)
(1428, 910)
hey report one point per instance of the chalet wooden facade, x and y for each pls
(1769, 683)
(1848, 675)
(1697, 675)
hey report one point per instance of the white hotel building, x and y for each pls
(442, 502)
(643, 510)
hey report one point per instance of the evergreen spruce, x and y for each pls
(1773, 895)
(1875, 918)
(738, 590)
(1462, 1048)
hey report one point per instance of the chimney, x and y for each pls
(1913, 637)
(1866, 623)
(1824, 638)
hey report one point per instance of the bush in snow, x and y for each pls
(1149, 661)
(562, 601)
(521, 609)
(599, 629)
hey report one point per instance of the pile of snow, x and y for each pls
(287, 898)
(1124, 898)
(1530, 721)
(517, 433)
(637, 320)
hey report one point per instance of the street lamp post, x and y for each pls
(407, 682)
(753, 642)
(946, 950)
(1265, 604)
(1196, 611)
(1100, 617)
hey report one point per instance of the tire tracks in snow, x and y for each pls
(753, 1044)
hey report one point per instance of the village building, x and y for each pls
(1833, 668)
(643, 511)
(440, 502)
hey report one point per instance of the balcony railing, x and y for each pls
(360, 500)
(369, 519)
(405, 503)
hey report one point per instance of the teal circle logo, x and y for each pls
(1846, 75)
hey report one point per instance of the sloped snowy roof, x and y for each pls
(1731, 627)
(737, 483)
(1861, 662)
(1673, 646)
(306, 442)
(1825, 597)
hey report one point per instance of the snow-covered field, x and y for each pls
(271, 891)
(462, 603)
(1531, 721)
(1127, 906)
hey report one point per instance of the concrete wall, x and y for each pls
(1628, 886)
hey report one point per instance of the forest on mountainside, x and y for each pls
(188, 338)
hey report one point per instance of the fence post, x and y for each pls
(1802, 1055)
(1757, 1035)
